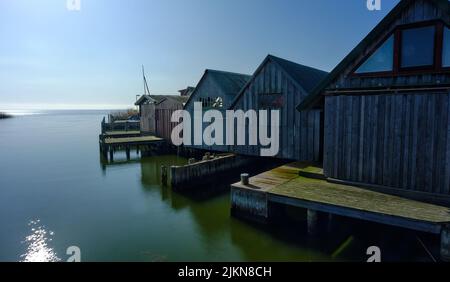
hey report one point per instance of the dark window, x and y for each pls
(417, 47)
(446, 48)
(380, 61)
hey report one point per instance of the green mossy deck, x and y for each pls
(122, 133)
(284, 185)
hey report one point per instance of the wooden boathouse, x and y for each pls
(279, 84)
(215, 90)
(386, 140)
(387, 106)
(156, 112)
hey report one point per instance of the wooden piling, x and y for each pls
(111, 154)
(316, 222)
(164, 175)
(127, 150)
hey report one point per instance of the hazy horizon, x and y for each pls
(43, 107)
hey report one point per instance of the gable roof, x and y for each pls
(161, 98)
(157, 99)
(187, 91)
(143, 99)
(229, 82)
(315, 96)
(306, 77)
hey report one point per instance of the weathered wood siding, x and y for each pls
(393, 139)
(207, 88)
(400, 141)
(148, 119)
(163, 115)
(299, 131)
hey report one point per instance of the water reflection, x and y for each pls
(38, 249)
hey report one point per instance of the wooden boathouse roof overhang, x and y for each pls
(144, 99)
(329, 85)
(229, 82)
(158, 99)
(304, 77)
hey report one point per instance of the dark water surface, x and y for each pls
(55, 193)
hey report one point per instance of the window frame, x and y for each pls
(447, 69)
(372, 52)
(437, 66)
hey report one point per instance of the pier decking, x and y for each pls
(285, 186)
(125, 140)
(140, 140)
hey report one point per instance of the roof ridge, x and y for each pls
(295, 63)
(226, 72)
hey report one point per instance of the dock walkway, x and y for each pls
(284, 185)
(125, 140)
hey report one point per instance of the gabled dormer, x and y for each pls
(409, 48)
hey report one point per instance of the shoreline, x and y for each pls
(5, 115)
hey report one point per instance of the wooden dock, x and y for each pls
(126, 140)
(285, 186)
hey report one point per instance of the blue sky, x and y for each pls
(51, 57)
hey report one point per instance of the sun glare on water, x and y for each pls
(38, 249)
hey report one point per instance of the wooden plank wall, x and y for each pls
(148, 119)
(394, 140)
(163, 115)
(208, 88)
(299, 131)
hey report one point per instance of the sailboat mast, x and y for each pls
(146, 90)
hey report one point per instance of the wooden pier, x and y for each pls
(120, 125)
(285, 186)
(127, 140)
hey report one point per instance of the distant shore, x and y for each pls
(5, 115)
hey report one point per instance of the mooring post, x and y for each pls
(137, 150)
(127, 150)
(245, 179)
(445, 243)
(164, 175)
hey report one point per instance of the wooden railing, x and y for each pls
(121, 125)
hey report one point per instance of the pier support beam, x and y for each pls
(445, 243)
(317, 222)
(111, 154)
(164, 175)
(104, 151)
(127, 150)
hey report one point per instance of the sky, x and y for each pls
(53, 57)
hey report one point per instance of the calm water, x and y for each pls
(55, 193)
